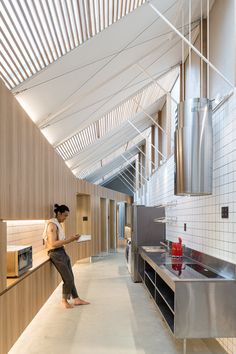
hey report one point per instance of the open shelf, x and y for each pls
(150, 272)
(150, 286)
(166, 292)
(159, 290)
(165, 310)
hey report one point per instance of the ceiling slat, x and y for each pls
(70, 29)
(18, 39)
(18, 48)
(75, 32)
(80, 21)
(32, 34)
(12, 70)
(14, 63)
(45, 54)
(65, 27)
(64, 50)
(58, 46)
(27, 37)
(55, 55)
(20, 67)
(48, 49)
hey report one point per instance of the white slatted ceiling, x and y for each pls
(37, 33)
(111, 120)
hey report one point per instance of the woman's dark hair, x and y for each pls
(60, 208)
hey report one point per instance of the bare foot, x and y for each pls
(79, 301)
(66, 304)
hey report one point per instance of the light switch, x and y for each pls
(225, 212)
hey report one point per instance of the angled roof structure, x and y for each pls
(83, 70)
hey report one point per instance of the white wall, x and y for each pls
(222, 45)
(206, 230)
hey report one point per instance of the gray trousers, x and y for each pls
(61, 261)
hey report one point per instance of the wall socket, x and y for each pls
(225, 212)
(185, 227)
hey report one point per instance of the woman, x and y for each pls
(54, 237)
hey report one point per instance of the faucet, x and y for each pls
(166, 245)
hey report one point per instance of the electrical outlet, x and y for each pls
(185, 227)
(225, 212)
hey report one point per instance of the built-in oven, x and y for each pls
(19, 260)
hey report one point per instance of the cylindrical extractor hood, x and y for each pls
(193, 148)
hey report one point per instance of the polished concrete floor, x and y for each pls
(121, 319)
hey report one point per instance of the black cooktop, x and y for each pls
(189, 270)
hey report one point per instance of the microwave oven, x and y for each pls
(19, 260)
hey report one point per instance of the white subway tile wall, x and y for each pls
(206, 230)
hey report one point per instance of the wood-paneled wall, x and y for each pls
(33, 177)
(3, 255)
(21, 303)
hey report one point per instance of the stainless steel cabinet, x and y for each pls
(193, 308)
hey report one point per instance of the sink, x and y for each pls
(152, 249)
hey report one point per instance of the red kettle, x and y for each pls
(177, 248)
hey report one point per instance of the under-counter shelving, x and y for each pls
(161, 293)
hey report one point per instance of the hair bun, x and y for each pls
(56, 205)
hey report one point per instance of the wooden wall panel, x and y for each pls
(3, 247)
(19, 304)
(33, 178)
(103, 219)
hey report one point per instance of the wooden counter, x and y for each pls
(38, 260)
(24, 297)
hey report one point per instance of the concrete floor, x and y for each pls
(121, 319)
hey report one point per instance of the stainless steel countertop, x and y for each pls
(160, 260)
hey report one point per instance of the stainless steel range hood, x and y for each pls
(193, 148)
